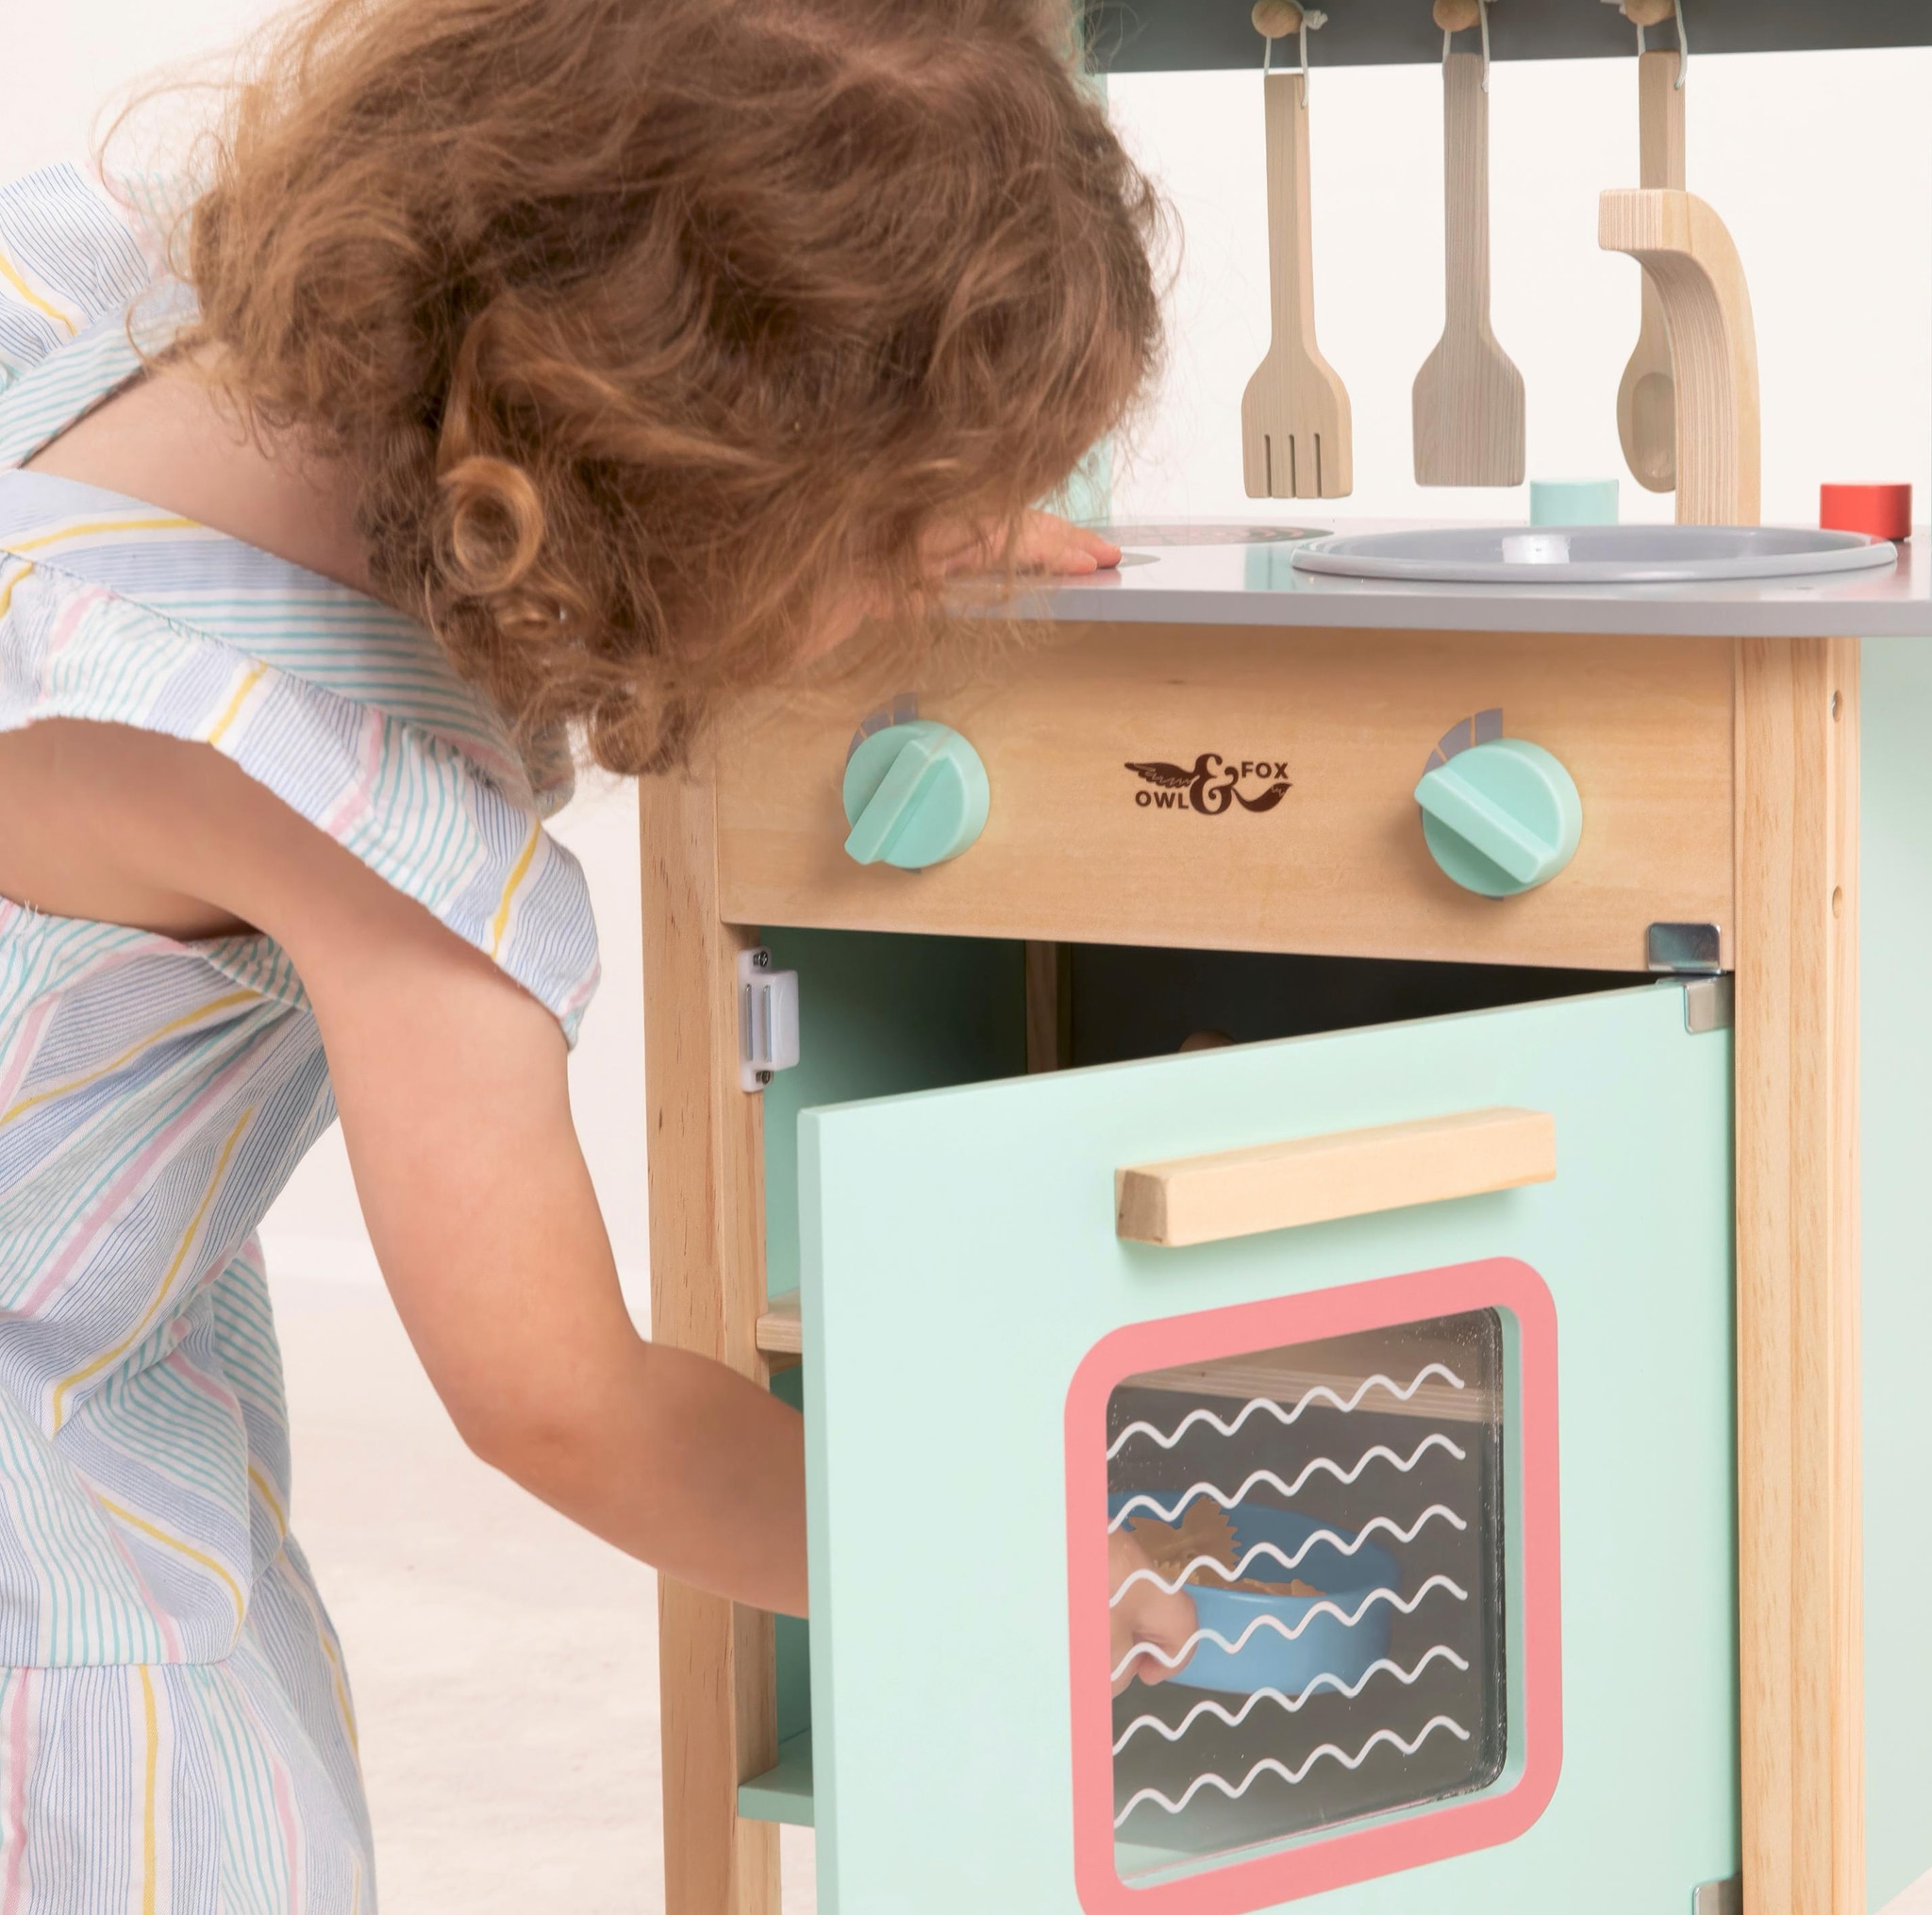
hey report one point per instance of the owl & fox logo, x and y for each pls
(1212, 787)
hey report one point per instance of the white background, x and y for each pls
(1820, 164)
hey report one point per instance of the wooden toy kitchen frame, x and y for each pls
(1500, 1280)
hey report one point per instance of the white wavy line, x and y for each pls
(1269, 1765)
(1152, 1503)
(1293, 1704)
(1284, 1417)
(1270, 1621)
(1286, 1562)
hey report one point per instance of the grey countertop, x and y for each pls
(1226, 574)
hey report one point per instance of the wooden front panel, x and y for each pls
(1081, 847)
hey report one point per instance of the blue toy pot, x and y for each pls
(1288, 1643)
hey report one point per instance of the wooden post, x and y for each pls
(1797, 1056)
(716, 1670)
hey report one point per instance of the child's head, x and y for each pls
(659, 333)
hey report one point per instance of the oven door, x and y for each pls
(1266, 1473)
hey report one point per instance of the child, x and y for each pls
(534, 371)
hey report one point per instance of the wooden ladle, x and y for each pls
(1646, 398)
(1296, 424)
(1468, 399)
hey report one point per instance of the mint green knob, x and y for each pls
(1502, 817)
(915, 794)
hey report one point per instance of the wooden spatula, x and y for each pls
(1469, 405)
(1295, 420)
(1646, 399)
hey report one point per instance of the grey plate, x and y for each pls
(1594, 555)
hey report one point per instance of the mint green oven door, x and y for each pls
(1366, 1565)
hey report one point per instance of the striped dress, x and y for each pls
(176, 1730)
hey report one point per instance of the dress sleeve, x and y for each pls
(69, 256)
(72, 257)
(412, 807)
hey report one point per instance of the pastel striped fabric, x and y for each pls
(176, 1728)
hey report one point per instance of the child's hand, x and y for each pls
(1045, 543)
(1050, 544)
(1146, 1614)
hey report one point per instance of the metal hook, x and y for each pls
(1683, 44)
(1310, 17)
(1482, 15)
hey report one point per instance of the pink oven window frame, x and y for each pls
(1415, 1836)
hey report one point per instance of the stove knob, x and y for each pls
(915, 794)
(1502, 817)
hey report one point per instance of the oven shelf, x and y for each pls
(780, 1331)
(782, 1794)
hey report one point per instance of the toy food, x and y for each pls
(1204, 1530)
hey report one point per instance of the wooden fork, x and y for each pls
(1295, 420)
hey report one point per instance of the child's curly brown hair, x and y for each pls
(652, 329)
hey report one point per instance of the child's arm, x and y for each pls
(451, 1083)
(452, 1089)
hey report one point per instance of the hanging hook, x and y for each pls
(1273, 19)
(1644, 14)
(1451, 16)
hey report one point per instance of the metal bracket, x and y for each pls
(1719, 1898)
(767, 1019)
(1682, 947)
(1708, 1005)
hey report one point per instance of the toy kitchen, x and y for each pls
(1360, 1094)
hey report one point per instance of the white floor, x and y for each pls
(505, 1663)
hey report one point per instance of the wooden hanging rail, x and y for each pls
(1174, 36)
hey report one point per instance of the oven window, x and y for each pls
(1305, 1589)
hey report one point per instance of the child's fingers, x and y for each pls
(1097, 544)
(1051, 544)
(1142, 1662)
(1147, 1620)
(1044, 544)
(1166, 1621)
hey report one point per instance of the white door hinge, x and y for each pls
(767, 1019)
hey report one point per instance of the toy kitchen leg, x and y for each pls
(1800, 1637)
(708, 1287)
(1791, 877)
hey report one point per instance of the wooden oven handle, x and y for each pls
(1343, 1174)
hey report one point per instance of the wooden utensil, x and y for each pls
(1468, 399)
(1690, 256)
(1646, 399)
(1295, 419)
